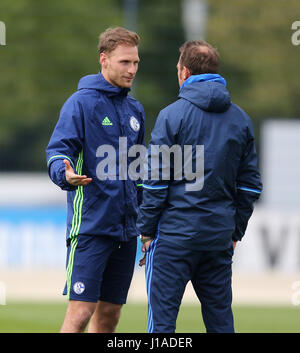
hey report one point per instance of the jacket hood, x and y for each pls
(98, 82)
(209, 95)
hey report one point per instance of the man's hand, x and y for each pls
(75, 179)
(145, 248)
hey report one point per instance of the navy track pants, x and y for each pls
(169, 267)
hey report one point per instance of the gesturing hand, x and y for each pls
(75, 179)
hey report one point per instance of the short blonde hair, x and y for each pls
(112, 37)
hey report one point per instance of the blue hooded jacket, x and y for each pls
(96, 115)
(211, 216)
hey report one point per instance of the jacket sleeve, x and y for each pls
(248, 186)
(65, 143)
(155, 190)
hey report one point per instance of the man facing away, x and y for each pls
(102, 210)
(190, 227)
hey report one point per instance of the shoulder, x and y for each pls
(135, 104)
(82, 100)
(241, 119)
(86, 95)
(170, 117)
(174, 110)
(240, 113)
(179, 104)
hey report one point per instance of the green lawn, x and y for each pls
(47, 318)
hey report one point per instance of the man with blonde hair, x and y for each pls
(101, 221)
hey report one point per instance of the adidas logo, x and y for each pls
(106, 122)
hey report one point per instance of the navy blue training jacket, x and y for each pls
(210, 218)
(97, 114)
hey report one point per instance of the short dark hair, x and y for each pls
(112, 37)
(199, 57)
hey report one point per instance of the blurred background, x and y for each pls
(47, 46)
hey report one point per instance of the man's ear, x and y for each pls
(186, 73)
(102, 59)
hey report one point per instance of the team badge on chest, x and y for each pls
(134, 124)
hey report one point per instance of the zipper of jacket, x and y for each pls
(119, 101)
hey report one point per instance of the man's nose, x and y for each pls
(132, 69)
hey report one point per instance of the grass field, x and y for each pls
(47, 318)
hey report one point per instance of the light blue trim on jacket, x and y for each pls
(155, 187)
(60, 156)
(244, 188)
(204, 78)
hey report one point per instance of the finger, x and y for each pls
(81, 182)
(143, 261)
(76, 177)
(67, 164)
(86, 181)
